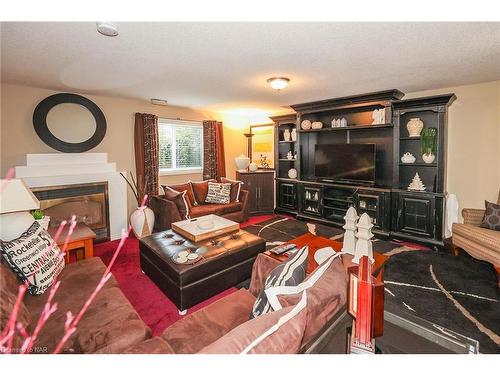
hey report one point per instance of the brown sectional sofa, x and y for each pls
(110, 325)
(200, 331)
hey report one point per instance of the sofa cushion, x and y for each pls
(155, 345)
(491, 219)
(109, 325)
(200, 190)
(218, 193)
(182, 187)
(9, 287)
(206, 209)
(231, 207)
(33, 260)
(203, 327)
(326, 295)
(279, 332)
(180, 200)
(288, 273)
(485, 237)
(235, 188)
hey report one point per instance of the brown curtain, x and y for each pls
(214, 163)
(146, 154)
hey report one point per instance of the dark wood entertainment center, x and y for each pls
(396, 211)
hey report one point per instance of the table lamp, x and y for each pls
(16, 199)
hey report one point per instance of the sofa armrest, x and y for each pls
(473, 216)
(262, 266)
(165, 211)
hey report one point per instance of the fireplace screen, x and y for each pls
(88, 202)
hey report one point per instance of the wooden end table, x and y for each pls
(316, 242)
(82, 237)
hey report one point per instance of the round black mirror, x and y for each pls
(69, 122)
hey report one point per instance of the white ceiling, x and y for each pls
(216, 66)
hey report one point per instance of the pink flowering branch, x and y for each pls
(70, 326)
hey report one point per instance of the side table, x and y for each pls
(82, 237)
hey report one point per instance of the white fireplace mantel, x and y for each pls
(43, 170)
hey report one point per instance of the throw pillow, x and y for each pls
(180, 188)
(180, 200)
(235, 188)
(491, 219)
(326, 294)
(218, 193)
(279, 332)
(200, 190)
(289, 273)
(31, 258)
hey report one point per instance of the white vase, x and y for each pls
(242, 162)
(414, 126)
(142, 222)
(408, 158)
(428, 158)
(294, 134)
(286, 135)
(252, 167)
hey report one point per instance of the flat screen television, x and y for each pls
(349, 163)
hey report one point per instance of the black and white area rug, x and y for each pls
(458, 293)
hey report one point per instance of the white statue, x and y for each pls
(349, 244)
(416, 184)
(364, 235)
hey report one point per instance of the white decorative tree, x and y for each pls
(364, 235)
(416, 184)
(349, 244)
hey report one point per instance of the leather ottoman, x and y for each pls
(226, 261)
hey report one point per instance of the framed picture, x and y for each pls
(262, 147)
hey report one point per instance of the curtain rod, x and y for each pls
(179, 119)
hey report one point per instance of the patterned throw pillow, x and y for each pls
(218, 193)
(235, 188)
(491, 218)
(289, 273)
(31, 258)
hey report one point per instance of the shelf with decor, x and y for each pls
(286, 141)
(343, 128)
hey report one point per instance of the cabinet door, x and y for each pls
(250, 184)
(266, 192)
(415, 215)
(287, 195)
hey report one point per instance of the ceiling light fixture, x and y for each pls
(278, 83)
(159, 101)
(107, 28)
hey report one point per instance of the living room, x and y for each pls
(302, 188)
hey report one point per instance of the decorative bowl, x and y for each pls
(408, 158)
(306, 124)
(317, 125)
(252, 167)
(428, 158)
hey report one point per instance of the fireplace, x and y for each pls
(87, 201)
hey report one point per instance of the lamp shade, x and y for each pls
(16, 196)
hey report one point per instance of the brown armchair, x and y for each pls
(481, 243)
(166, 212)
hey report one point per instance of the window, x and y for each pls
(181, 146)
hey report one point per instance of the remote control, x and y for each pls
(278, 250)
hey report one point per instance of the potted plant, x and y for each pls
(142, 219)
(43, 220)
(428, 144)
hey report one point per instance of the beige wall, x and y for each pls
(18, 137)
(473, 142)
(473, 135)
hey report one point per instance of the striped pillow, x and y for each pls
(218, 193)
(291, 272)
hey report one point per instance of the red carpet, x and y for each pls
(157, 311)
